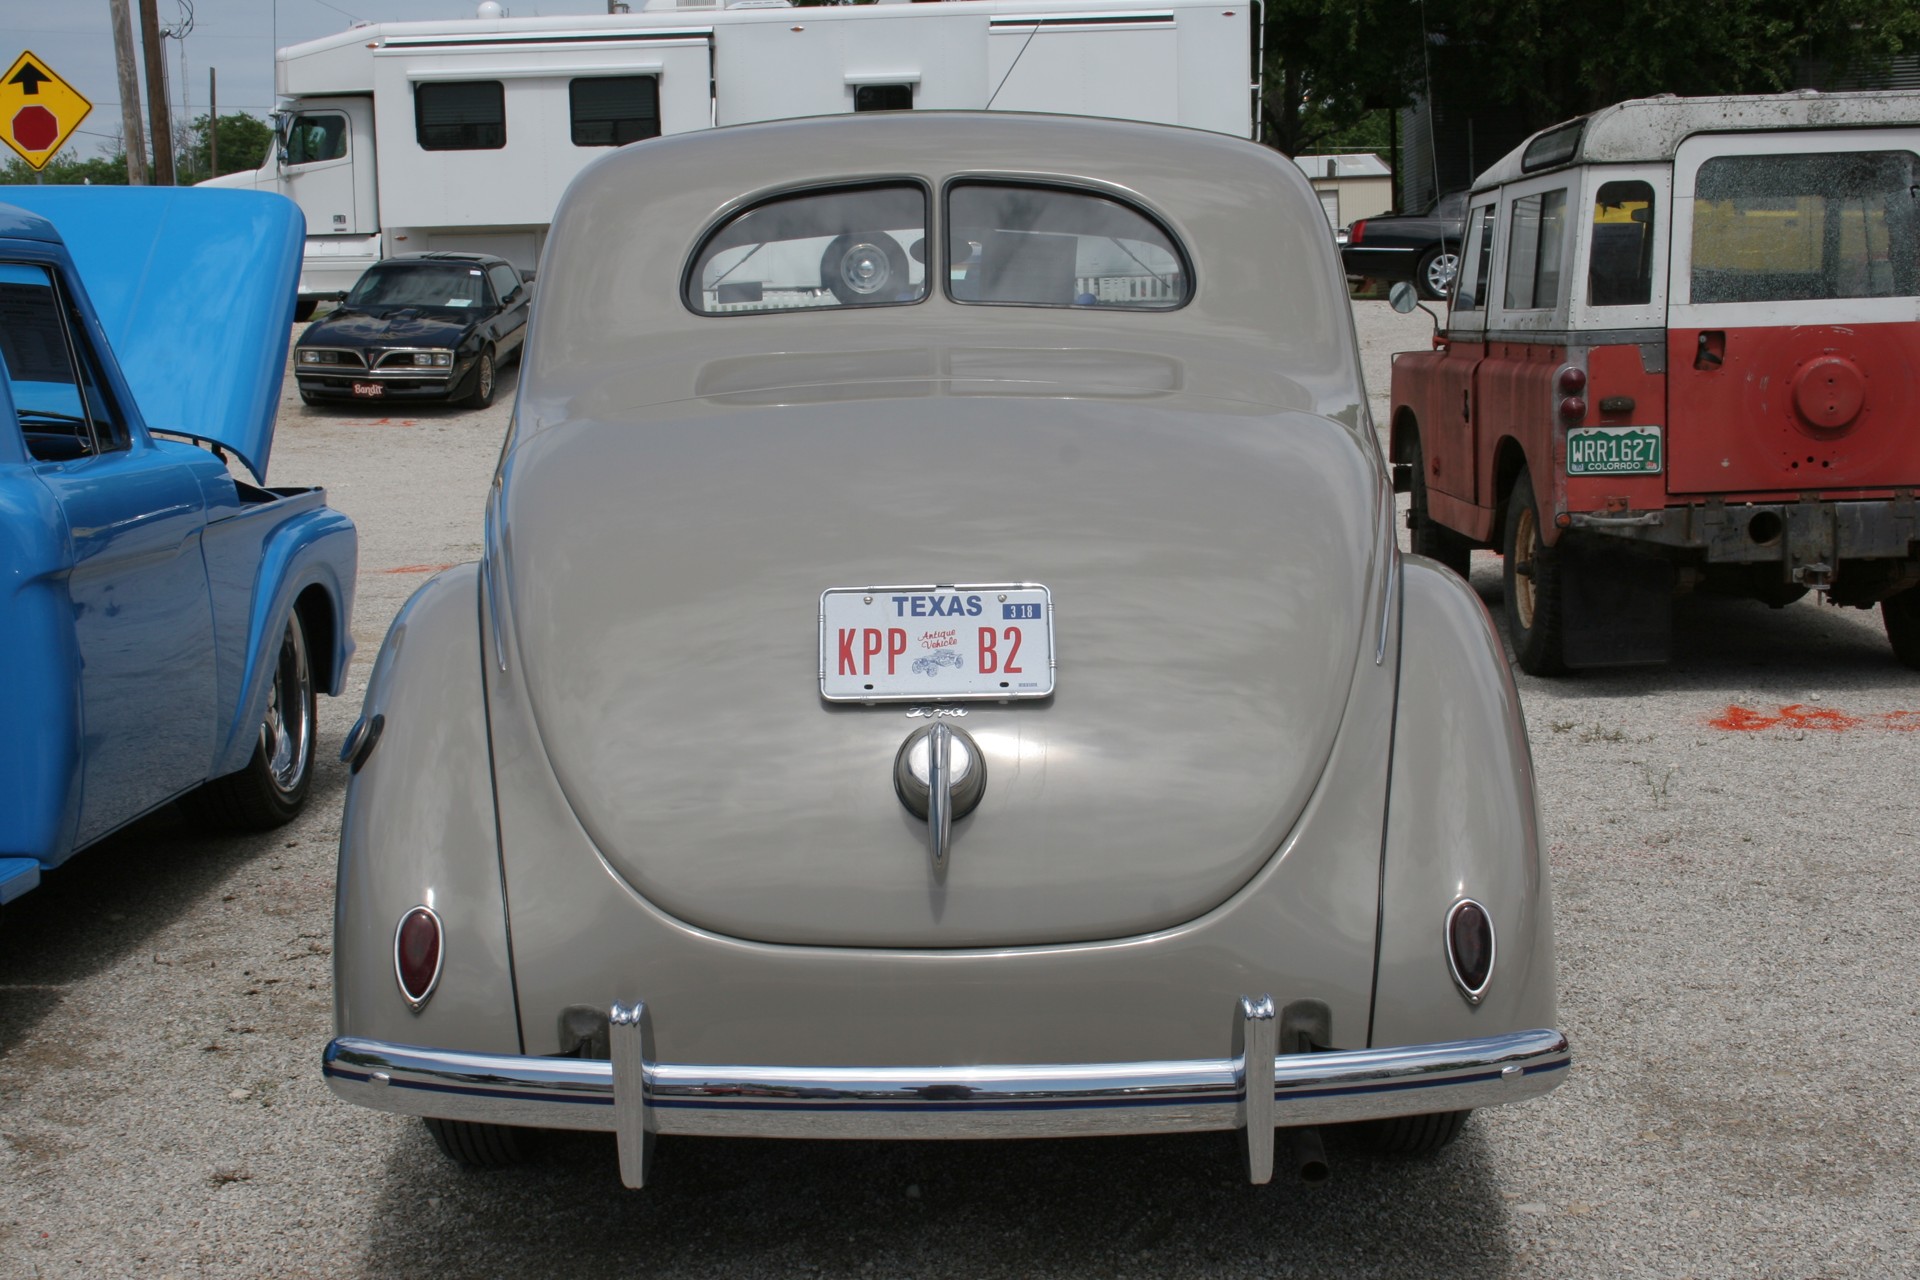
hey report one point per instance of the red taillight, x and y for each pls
(1470, 948)
(1356, 231)
(416, 955)
(1573, 381)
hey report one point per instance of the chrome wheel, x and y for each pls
(486, 376)
(863, 269)
(1437, 272)
(286, 733)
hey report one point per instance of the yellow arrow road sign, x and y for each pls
(38, 110)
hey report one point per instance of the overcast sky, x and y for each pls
(234, 37)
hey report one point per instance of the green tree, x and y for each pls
(67, 170)
(1329, 63)
(244, 141)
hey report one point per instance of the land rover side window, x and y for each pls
(847, 247)
(1620, 264)
(1471, 293)
(1790, 228)
(1536, 239)
(1054, 247)
(460, 115)
(611, 111)
(58, 393)
(311, 139)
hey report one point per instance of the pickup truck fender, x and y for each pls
(306, 559)
(40, 694)
(1462, 821)
(419, 830)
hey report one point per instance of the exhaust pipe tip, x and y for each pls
(1308, 1154)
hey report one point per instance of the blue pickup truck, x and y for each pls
(165, 621)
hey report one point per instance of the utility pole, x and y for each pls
(131, 134)
(213, 124)
(157, 114)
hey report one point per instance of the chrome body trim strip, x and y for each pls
(1018, 1101)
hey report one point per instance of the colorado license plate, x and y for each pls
(369, 389)
(932, 644)
(1613, 451)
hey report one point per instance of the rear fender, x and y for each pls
(419, 830)
(1462, 821)
(315, 550)
(40, 721)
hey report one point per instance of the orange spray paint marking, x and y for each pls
(418, 568)
(1740, 720)
(1798, 715)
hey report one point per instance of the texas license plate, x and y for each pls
(1613, 451)
(932, 644)
(369, 389)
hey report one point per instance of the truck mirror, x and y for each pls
(1402, 298)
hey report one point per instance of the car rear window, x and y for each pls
(1043, 246)
(1791, 228)
(861, 246)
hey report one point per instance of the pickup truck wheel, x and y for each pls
(272, 789)
(481, 394)
(865, 268)
(480, 1146)
(1437, 542)
(1436, 271)
(1414, 1135)
(1900, 614)
(1533, 579)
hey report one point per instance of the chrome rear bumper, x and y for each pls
(636, 1097)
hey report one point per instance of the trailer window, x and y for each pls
(1791, 228)
(611, 111)
(1042, 246)
(1536, 237)
(1620, 265)
(845, 247)
(311, 139)
(883, 97)
(460, 115)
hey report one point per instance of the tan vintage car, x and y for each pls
(941, 668)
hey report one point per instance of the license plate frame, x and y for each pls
(1616, 451)
(886, 643)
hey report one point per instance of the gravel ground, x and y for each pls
(1731, 841)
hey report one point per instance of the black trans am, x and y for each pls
(426, 326)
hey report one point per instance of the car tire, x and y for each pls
(303, 309)
(1434, 276)
(1414, 1135)
(1532, 577)
(485, 379)
(1900, 614)
(865, 268)
(480, 1146)
(1435, 541)
(272, 789)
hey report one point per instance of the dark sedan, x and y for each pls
(432, 326)
(1421, 247)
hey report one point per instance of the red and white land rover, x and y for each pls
(1683, 352)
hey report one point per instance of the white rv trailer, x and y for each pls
(404, 137)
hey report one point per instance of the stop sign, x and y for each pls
(35, 128)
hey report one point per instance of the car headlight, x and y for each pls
(309, 357)
(433, 359)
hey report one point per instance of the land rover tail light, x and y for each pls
(1470, 948)
(1573, 405)
(416, 955)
